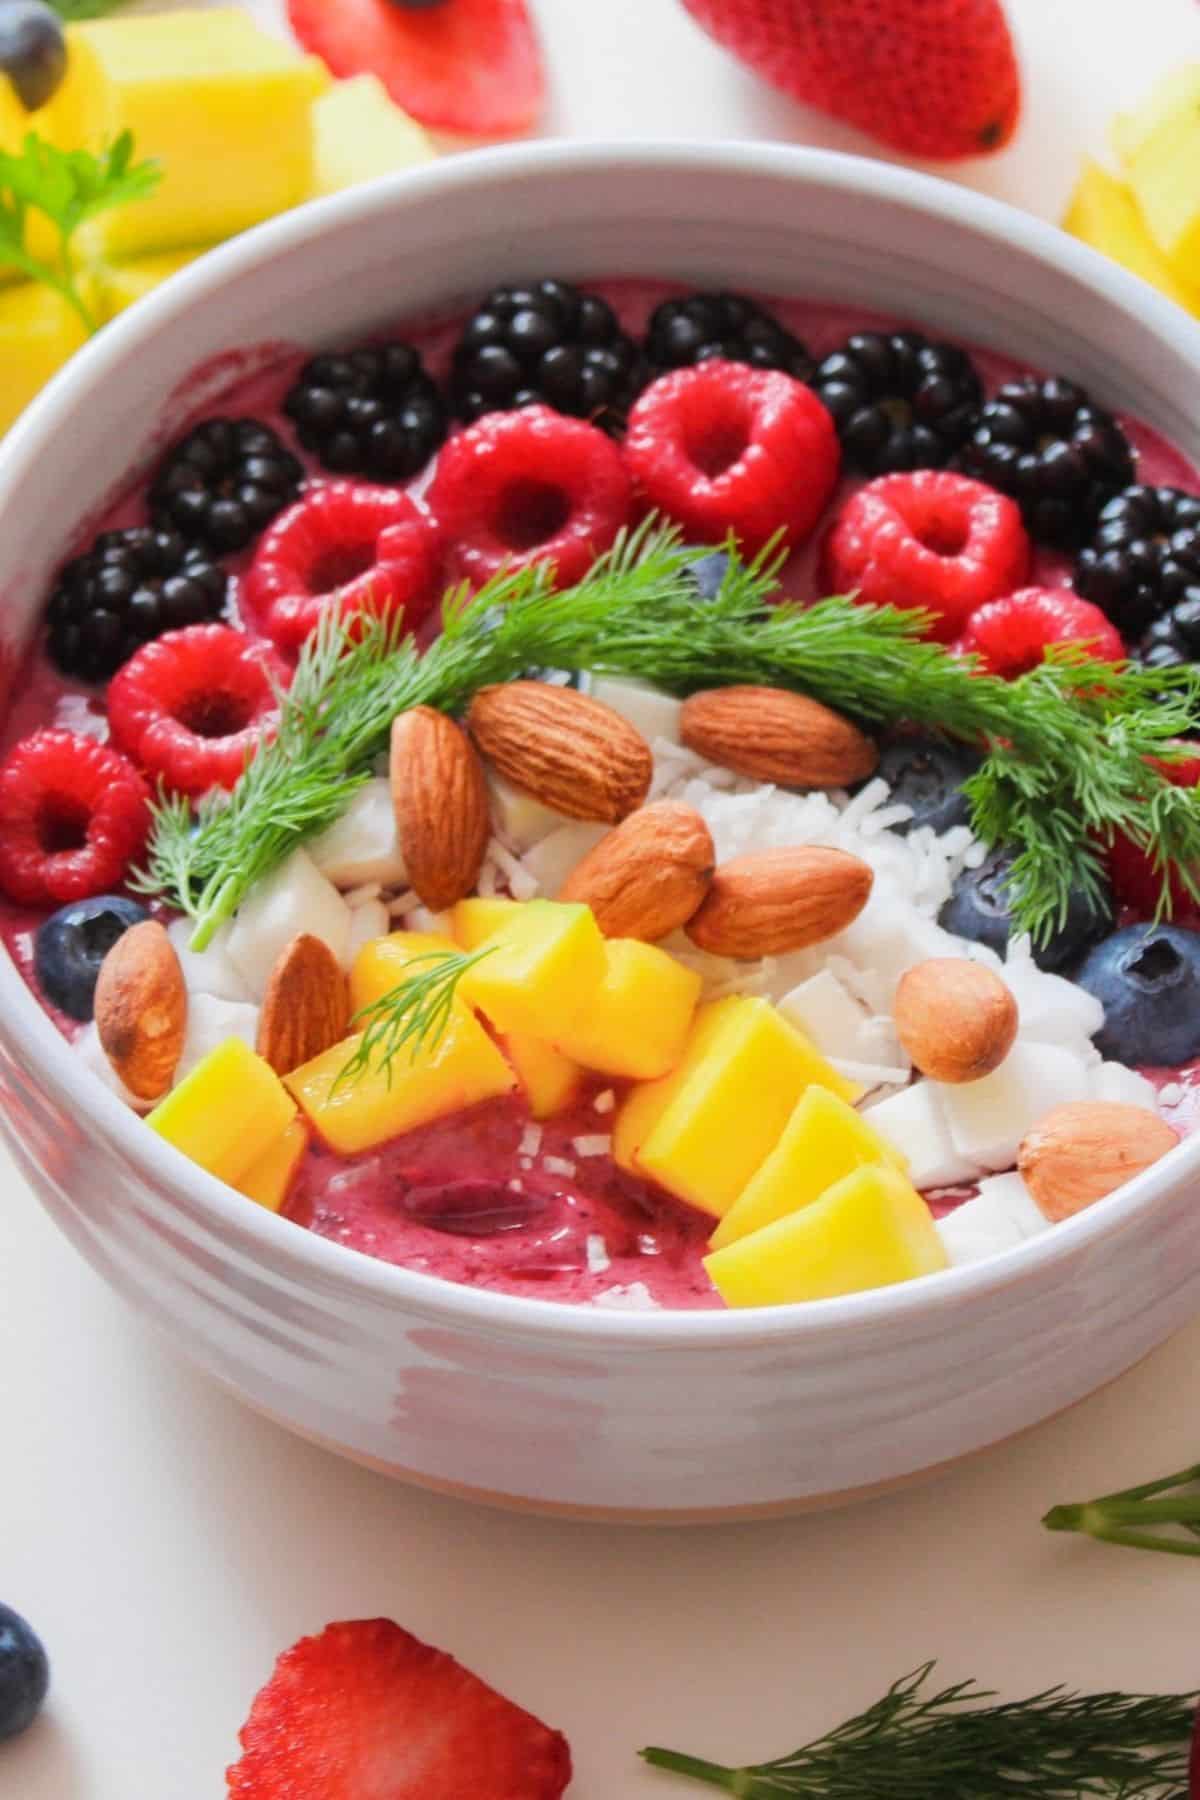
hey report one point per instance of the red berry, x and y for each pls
(529, 486)
(723, 447)
(1012, 635)
(366, 1712)
(935, 78)
(469, 66)
(365, 549)
(74, 815)
(1136, 882)
(931, 540)
(192, 707)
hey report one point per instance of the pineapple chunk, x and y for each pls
(118, 285)
(1104, 213)
(1159, 148)
(870, 1230)
(381, 965)
(267, 1180)
(550, 1079)
(824, 1141)
(476, 920)
(637, 1021)
(545, 965)
(227, 1113)
(359, 132)
(705, 1129)
(462, 1068)
(38, 332)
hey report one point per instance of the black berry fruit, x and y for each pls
(223, 483)
(898, 400)
(24, 1674)
(72, 943)
(131, 586)
(1142, 563)
(701, 327)
(371, 412)
(548, 343)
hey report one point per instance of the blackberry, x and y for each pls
(898, 400)
(371, 412)
(548, 343)
(1142, 565)
(223, 483)
(131, 586)
(1061, 458)
(1173, 639)
(703, 326)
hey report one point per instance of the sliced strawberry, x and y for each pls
(366, 1712)
(467, 66)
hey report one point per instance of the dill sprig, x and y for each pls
(413, 1015)
(914, 1745)
(1148, 1517)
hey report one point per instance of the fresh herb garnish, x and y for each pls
(68, 188)
(1067, 767)
(912, 1745)
(1141, 1518)
(85, 9)
(413, 1015)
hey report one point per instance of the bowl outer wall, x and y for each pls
(566, 1406)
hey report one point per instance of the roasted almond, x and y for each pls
(648, 876)
(956, 1019)
(1079, 1153)
(440, 797)
(141, 1009)
(772, 901)
(773, 735)
(570, 752)
(307, 1005)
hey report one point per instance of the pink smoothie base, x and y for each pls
(503, 1221)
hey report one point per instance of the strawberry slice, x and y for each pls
(467, 66)
(366, 1712)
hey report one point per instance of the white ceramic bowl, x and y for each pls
(522, 1401)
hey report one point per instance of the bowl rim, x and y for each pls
(278, 1242)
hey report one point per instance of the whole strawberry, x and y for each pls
(934, 78)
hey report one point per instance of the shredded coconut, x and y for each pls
(598, 1259)
(531, 1139)
(558, 1165)
(600, 1145)
(604, 1102)
(634, 1298)
(359, 896)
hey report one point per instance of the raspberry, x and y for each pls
(193, 706)
(1136, 882)
(930, 539)
(723, 447)
(531, 486)
(73, 815)
(365, 549)
(1012, 635)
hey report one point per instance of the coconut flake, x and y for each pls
(604, 1102)
(599, 1145)
(531, 1139)
(598, 1259)
(634, 1298)
(558, 1165)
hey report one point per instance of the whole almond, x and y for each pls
(141, 1009)
(956, 1019)
(307, 1005)
(648, 875)
(772, 901)
(1079, 1153)
(569, 751)
(440, 797)
(773, 735)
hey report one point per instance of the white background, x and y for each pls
(168, 1544)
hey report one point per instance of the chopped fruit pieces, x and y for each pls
(73, 817)
(268, 1179)
(227, 1113)
(1012, 635)
(550, 1079)
(374, 412)
(119, 285)
(824, 1141)
(358, 133)
(475, 920)
(382, 965)
(223, 483)
(871, 1230)
(461, 1069)
(545, 966)
(637, 1021)
(38, 332)
(1105, 214)
(1159, 147)
(128, 587)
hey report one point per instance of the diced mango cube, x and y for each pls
(870, 1230)
(550, 1079)
(38, 332)
(544, 966)
(267, 1180)
(359, 132)
(473, 921)
(385, 962)
(227, 1113)
(118, 285)
(823, 1141)
(705, 1129)
(637, 1021)
(1159, 147)
(461, 1069)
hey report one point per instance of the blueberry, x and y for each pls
(33, 50)
(978, 909)
(927, 774)
(708, 572)
(1147, 979)
(73, 943)
(24, 1674)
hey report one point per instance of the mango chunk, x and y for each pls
(227, 1113)
(637, 1021)
(267, 1180)
(545, 964)
(359, 132)
(463, 1068)
(705, 1129)
(823, 1141)
(38, 332)
(1158, 144)
(870, 1230)
(550, 1079)
(474, 921)
(118, 285)
(385, 962)
(1104, 214)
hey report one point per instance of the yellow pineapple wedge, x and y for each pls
(1104, 214)
(359, 132)
(1158, 144)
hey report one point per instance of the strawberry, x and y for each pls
(935, 78)
(467, 66)
(366, 1712)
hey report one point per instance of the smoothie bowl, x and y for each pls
(519, 985)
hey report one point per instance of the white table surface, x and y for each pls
(168, 1544)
